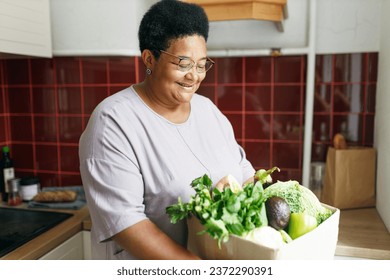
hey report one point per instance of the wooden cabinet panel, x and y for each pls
(219, 10)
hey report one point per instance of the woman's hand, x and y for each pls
(230, 182)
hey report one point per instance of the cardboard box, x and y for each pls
(318, 244)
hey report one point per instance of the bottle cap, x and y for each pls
(5, 149)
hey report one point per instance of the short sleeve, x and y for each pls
(114, 192)
(110, 173)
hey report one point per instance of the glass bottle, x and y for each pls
(14, 196)
(7, 173)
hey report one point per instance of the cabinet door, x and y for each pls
(87, 245)
(90, 27)
(25, 28)
(75, 248)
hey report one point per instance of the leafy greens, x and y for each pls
(239, 211)
(223, 213)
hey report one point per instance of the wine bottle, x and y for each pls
(7, 172)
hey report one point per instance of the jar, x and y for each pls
(29, 187)
(13, 194)
(317, 172)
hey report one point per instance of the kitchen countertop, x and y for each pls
(362, 234)
(50, 239)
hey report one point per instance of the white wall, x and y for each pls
(382, 117)
(109, 27)
(347, 26)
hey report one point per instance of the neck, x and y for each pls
(175, 113)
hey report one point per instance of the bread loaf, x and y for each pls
(339, 141)
(55, 196)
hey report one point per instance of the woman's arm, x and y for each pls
(145, 240)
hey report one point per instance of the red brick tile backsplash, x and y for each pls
(45, 105)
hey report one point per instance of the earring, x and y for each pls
(148, 71)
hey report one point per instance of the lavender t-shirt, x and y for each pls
(134, 163)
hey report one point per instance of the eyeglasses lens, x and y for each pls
(186, 64)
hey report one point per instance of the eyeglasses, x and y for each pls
(185, 64)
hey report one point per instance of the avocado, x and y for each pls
(278, 212)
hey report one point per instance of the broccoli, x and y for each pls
(299, 198)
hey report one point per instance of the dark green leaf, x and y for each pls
(236, 229)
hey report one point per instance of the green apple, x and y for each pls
(300, 223)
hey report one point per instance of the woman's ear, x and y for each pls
(148, 58)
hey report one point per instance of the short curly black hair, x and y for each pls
(168, 20)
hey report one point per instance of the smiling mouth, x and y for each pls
(185, 85)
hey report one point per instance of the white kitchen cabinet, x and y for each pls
(96, 27)
(78, 247)
(25, 28)
(87, 245)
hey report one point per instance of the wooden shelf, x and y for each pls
(270, 10)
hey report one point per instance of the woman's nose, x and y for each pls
(193, 74)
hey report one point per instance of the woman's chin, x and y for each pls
(185, 97)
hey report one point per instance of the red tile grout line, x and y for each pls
(70, 85)
(295, 113)
(48, 171)
(57, 122)
(7, 119)
(32, 115)
(365, 99)
(280, 141)
(258, 84)
(82, 94)
(46, 114)
(108, 77)
(345, 83)
(53, 143)
(271, 122)
(243, 95)
(136, 62)
(2, 91)
(331, 109)
(302, 105)
(29, 170)
(216, 83)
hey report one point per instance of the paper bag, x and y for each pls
(349, 180)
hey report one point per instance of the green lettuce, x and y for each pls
(299, 198)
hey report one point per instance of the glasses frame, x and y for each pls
(193, 63)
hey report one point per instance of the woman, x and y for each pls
(144, 145)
